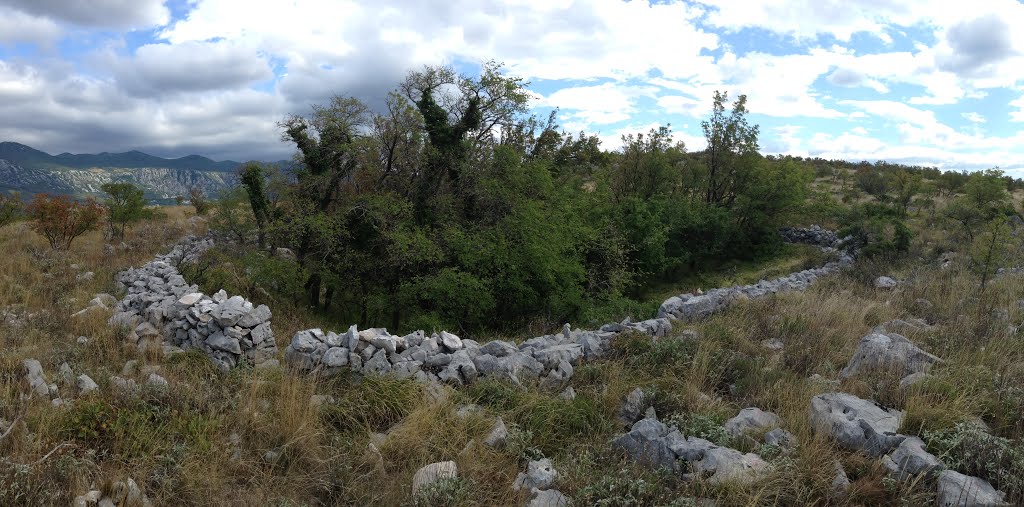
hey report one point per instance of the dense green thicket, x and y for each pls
(454, 208)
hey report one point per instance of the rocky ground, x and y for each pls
(850, 384)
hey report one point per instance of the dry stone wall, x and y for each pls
(161, 306)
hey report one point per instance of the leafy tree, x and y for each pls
(986, 190)
(878, 228)
(232, 218)
(905, 185)
(253, 177)
(11, 209)
(990, 250)
(198, 200)
(60, 220)
(732, 146)
(647, 164)
(125, 205)
(963, 211)
(872, 182)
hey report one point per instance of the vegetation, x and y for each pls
(125, 206)
(61, 220)
(461, 212)
(198, 200)
(11, 209)
(454, 209)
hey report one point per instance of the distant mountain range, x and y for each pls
(27, 170)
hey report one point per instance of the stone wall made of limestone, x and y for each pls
(695, 306)
(444, 357)
(160, 306)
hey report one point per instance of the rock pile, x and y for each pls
(655, 445)
(864, 426)
(813, 235)
(162, 307)
(444, 357)
(691, 307)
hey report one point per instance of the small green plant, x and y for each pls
(708, 427)
(520, 443)
(125, 205)
(969, 449)
(448, 492)
(625, 489)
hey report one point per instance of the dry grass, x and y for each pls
(206, 440)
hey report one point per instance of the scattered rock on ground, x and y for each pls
(86, 385)
(540, 474)
(878, 351)
(752, 419)
(959, 490)
(498, 434)
(911, 459)
(548, 498)
(432, 473)
(856, 424)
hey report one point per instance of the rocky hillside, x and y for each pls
(27, 170)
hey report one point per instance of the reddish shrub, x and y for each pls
(61, 219)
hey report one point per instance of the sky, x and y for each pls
(929, 82)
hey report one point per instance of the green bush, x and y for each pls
(449, 492)
(971, 450)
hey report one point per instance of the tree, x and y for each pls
(328, 149)
(990, 250)
(61, 220)
(905, 185)
(253, 176)
(872, 182)
(646, 164)
(231, 218)
(11, 209)
(732, 144)
(198, 200)
(125, 205)
(986, 190)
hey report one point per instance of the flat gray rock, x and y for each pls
(959, 490)
(432, 473)
(911, 459)
(540, 474)
(752, 419)
(891, 351)
(856, 424)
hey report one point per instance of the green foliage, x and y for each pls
(420, 217)
(626, 488)
(11, 209)
(731, 152)
(136, 428)
(971, 450)
(232, 216)
(879, 229)
(125, 206)
(253, 177)
(991, 249)
(198, 200)
(640, 352)
(872, 182)
(447, 492)
(708, 427)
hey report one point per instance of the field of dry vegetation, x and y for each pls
(272, 436)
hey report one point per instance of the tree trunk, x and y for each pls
(313, 290)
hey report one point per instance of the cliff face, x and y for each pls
(160, 183)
